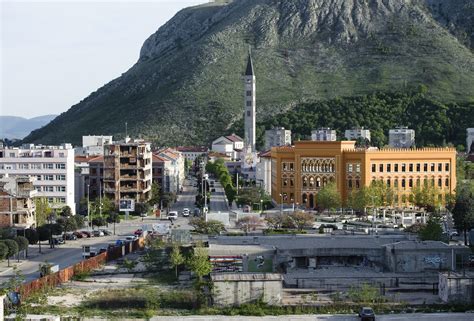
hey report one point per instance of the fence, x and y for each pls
(66, 274)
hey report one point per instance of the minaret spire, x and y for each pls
(250, 105)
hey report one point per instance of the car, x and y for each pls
(186, 212)
(97, 233)
(366, 314)
(119, 243)
(86, 233)
(173, 215)
(79, 235)
(57, 240)
(131, 238)
(106, 232)
(70, 236)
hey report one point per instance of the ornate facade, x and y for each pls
(300, 171)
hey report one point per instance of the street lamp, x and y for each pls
(261, 206)
(281, 204)
(88, 207)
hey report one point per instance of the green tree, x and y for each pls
(99, 221)
(463, 211)
(43, 210)
(299, 220)
(329, 197)
(210, 227)
(3, 251)
(230, 193)
(249, 223)
(32, 236)
(358, 199)
(13, 248)
(79, 220)
(68, 224)
(22, 244)
(432, 231)
(176, 258)
(155, 194)
(66, 211)
(426, 196)
(199, 262)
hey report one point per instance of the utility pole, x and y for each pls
(88, 207)
(100, 199)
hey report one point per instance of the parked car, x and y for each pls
(57, 240)
(131, 238)
(186, 212)
(366, 314)
(79, 235)
(173, 215)
(97, 233)
(87, 233)
(106, 232)
(69, 236)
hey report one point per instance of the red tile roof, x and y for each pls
(234, 138)
(98, 159)
(192, 149)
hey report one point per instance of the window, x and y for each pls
(60, 188)
(35, 166)
(311, 182)
(388, 183)
(357, 183)
(425, 167)
(403, 183)
(284, 166)
(418, 167)
(249, 93)
(248, 113)
(48, 166)
(395, 168)
(61, 166)
(38, 188)
(48, 177)
(395, 183)
(410, 182)
(48, 189)
(410, 168)
(381, 168)
(446, 182)
(12, 155)
(432, 167)
(440, 167)
(50, 200)
(285, 182)
(349, 183)
(61, 154)
(404, 168)
(292, 182)
(249, 103)
(62, 200)
(357, 168)
(318, 182)
(373, 168)
(349, 168)
(38, 177)
(60, 177)
(446, 167)
(23, 166)
(440, 182)
(389, 168)
(305, 182)
(291, 166)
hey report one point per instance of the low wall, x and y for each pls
(456, 287)
(66, 274)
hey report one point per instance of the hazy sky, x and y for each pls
(55, 53)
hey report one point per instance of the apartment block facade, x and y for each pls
(324, 135)
(51, 166)
(401, 137)
(301, 171)
(17, 206)
(356, 133)
(127, 167)
(277, 137)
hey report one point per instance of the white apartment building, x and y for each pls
(93, 145)
(263, 174)
(324, 134)
(278, 136)
(356, 133)
(470, 140)
(52, 166)
(401, 137)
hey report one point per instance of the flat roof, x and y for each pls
(246, 277)
(233, 250)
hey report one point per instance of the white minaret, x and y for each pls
(250, 106)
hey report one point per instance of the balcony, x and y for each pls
(109, 189)
(128, 177)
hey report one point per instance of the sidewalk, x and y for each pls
(33, 252)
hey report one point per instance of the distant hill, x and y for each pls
(186, 87)
(13, 127)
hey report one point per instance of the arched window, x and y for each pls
(325, 181)
(305, 181)
(318, 182)
(311, 182)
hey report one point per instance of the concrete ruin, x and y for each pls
(457, 287)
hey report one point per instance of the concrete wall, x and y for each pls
(232, 292)
(413, 261)
(456, 288)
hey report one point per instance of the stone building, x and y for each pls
(299, 172)
(17, 206)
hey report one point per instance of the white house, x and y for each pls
(53, 167)
(324, 134)
(263, 175)
(231, 146)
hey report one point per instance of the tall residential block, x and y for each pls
(357, 133)
(52, 166)
(324, 135)
(401, 137)
(127, 171)
(278, 136)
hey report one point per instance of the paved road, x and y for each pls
(218, 201)
(393, 317)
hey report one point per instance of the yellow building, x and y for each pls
(300, 171)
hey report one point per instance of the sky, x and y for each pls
(55, 53)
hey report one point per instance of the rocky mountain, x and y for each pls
(13, 127)
(186, 86)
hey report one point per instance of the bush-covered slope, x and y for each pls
(186, 87)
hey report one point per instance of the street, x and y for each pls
(328, 317)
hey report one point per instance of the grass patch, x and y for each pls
(166, 277)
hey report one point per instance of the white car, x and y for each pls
(186, 212)
(173, 215)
